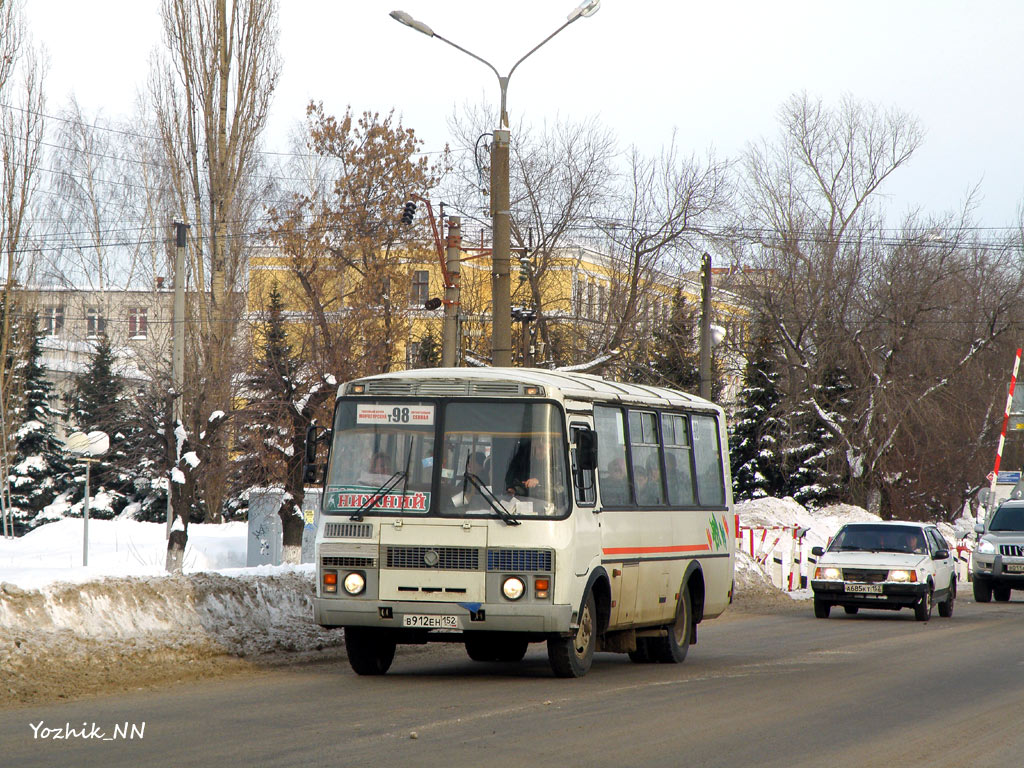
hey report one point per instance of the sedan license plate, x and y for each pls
(1014, 567)
(875, 589)
(421, 621)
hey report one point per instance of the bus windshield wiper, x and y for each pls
(377, 495)
(491, 499)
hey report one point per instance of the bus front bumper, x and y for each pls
(492, 617)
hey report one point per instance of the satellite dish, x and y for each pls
(93, 444)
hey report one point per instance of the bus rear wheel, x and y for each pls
(370, 650)
(672, 648)
(572, 656)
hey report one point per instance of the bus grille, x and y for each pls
(447, 558)
(518, 560)
(348, 530)
(349, 562)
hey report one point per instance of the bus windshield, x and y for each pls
(496, 459)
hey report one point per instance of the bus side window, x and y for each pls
(583, 479)
(678, 469)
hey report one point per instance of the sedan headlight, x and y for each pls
(986, 547)
(829, 573)
(903, 575)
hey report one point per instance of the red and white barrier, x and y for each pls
(779, 549)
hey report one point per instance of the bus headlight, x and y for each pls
(513, 588)
(354, 583)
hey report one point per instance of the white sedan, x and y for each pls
(885, 565)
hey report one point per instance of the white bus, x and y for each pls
(497, 507)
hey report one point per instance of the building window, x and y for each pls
(590, 300)
(96, 324)
(602, 301)
(138, 324)
(577, 296)
(420, 287)
(51, 320)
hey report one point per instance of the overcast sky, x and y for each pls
(716, 72)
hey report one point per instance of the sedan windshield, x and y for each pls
(879, 538)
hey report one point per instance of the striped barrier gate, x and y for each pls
(779, 550)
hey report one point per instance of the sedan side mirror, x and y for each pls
(940, 554)
(819, 551)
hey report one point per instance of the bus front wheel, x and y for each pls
(370, 650)
(572, 656)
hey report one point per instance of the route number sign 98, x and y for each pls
(396, 414)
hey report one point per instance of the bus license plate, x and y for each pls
(430, 622)
(864, 588)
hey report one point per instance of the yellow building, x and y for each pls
(581, 295)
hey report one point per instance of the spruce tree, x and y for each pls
(757, 427)
(673, 359)
(264, 428)
(817, 475)
(95, 404)
(39, 459)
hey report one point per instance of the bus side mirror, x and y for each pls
(309, 470)
(586, 449)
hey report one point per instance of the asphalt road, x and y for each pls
(760, 689)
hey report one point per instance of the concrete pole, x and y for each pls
(501, 283)
(178, 347)
(705, 327)
(85, 517)
(453, 263)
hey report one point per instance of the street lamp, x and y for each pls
(501, 294)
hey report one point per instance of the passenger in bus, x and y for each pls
(380, 464)
(614, 485)
(467, 492)
(648, 487)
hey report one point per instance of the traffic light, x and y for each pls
(408, 213)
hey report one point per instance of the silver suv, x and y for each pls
(998, 562)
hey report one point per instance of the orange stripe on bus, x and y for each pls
(653, 550)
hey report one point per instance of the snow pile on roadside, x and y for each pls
(53, 552)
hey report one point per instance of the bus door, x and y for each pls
(586, 529)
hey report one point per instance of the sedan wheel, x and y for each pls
(923, 609)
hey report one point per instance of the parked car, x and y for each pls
(997, 566)
(887, 566)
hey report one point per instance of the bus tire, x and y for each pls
(642, 654)
(672, 647)
(370, 650)
(572, 656)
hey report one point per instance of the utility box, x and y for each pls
(265, 545)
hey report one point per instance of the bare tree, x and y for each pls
(22, 103)
(212, 92)
(898, 311)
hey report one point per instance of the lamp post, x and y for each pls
(501, 293)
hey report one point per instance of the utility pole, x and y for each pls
(705, 327)
(501, 283)
(453, 265)
(178, 347)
